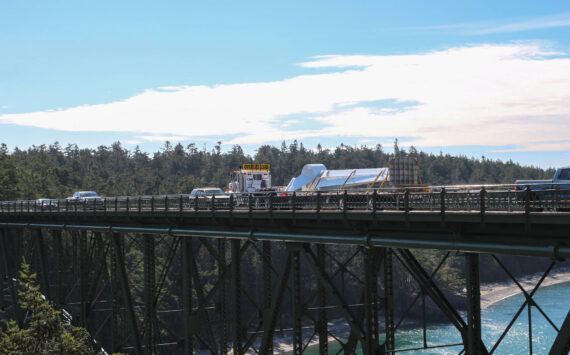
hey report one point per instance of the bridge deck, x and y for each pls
(482, 220)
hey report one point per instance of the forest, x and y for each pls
(54, 171)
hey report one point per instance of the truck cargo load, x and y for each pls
(400, 172)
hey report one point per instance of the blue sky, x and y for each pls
(483, 78)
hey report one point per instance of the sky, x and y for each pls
(485, 78)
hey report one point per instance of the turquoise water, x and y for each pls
(553, 300)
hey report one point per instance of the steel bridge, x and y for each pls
(168, 274)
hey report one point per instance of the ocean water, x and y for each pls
(553, 300)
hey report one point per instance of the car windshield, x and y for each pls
(88, 194)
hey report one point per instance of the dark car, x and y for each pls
(46, 203)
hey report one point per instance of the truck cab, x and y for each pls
(250, 178)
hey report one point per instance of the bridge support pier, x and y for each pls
(390, 343)
(149, 294)
(474, 343)
(267, 270)
(187, 295)
(322, 327)
(222, 300)
(236, 296)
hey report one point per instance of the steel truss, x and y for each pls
(168, 293)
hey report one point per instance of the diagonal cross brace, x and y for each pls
(119, 256)
(561, 344)
(276, 300)
(332, 291)
(416, 270)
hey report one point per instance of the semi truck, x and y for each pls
(251, 178)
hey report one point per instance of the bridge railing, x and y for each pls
(435, 198)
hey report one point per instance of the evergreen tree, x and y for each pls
(44, 331)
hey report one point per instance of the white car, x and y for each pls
(89, 197)
(205, 195)
(208, 192)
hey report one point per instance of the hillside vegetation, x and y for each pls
(55, 172)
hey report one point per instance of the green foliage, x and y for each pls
(44, 331)
(55, 172)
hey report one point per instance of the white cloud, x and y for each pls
(495, 95)
(133, 141)
(164, 138)
(490, 27)
(546, 147)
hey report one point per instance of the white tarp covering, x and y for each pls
(317, 177)
(308, 174)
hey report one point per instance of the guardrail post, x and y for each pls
(152, 206)
(482, 195)
(442, 206)
(293, 201)
(527, 199)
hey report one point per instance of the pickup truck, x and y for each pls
(561, 180)
(552, 194)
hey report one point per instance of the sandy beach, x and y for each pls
(494, 292)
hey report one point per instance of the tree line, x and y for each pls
(53, 171)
